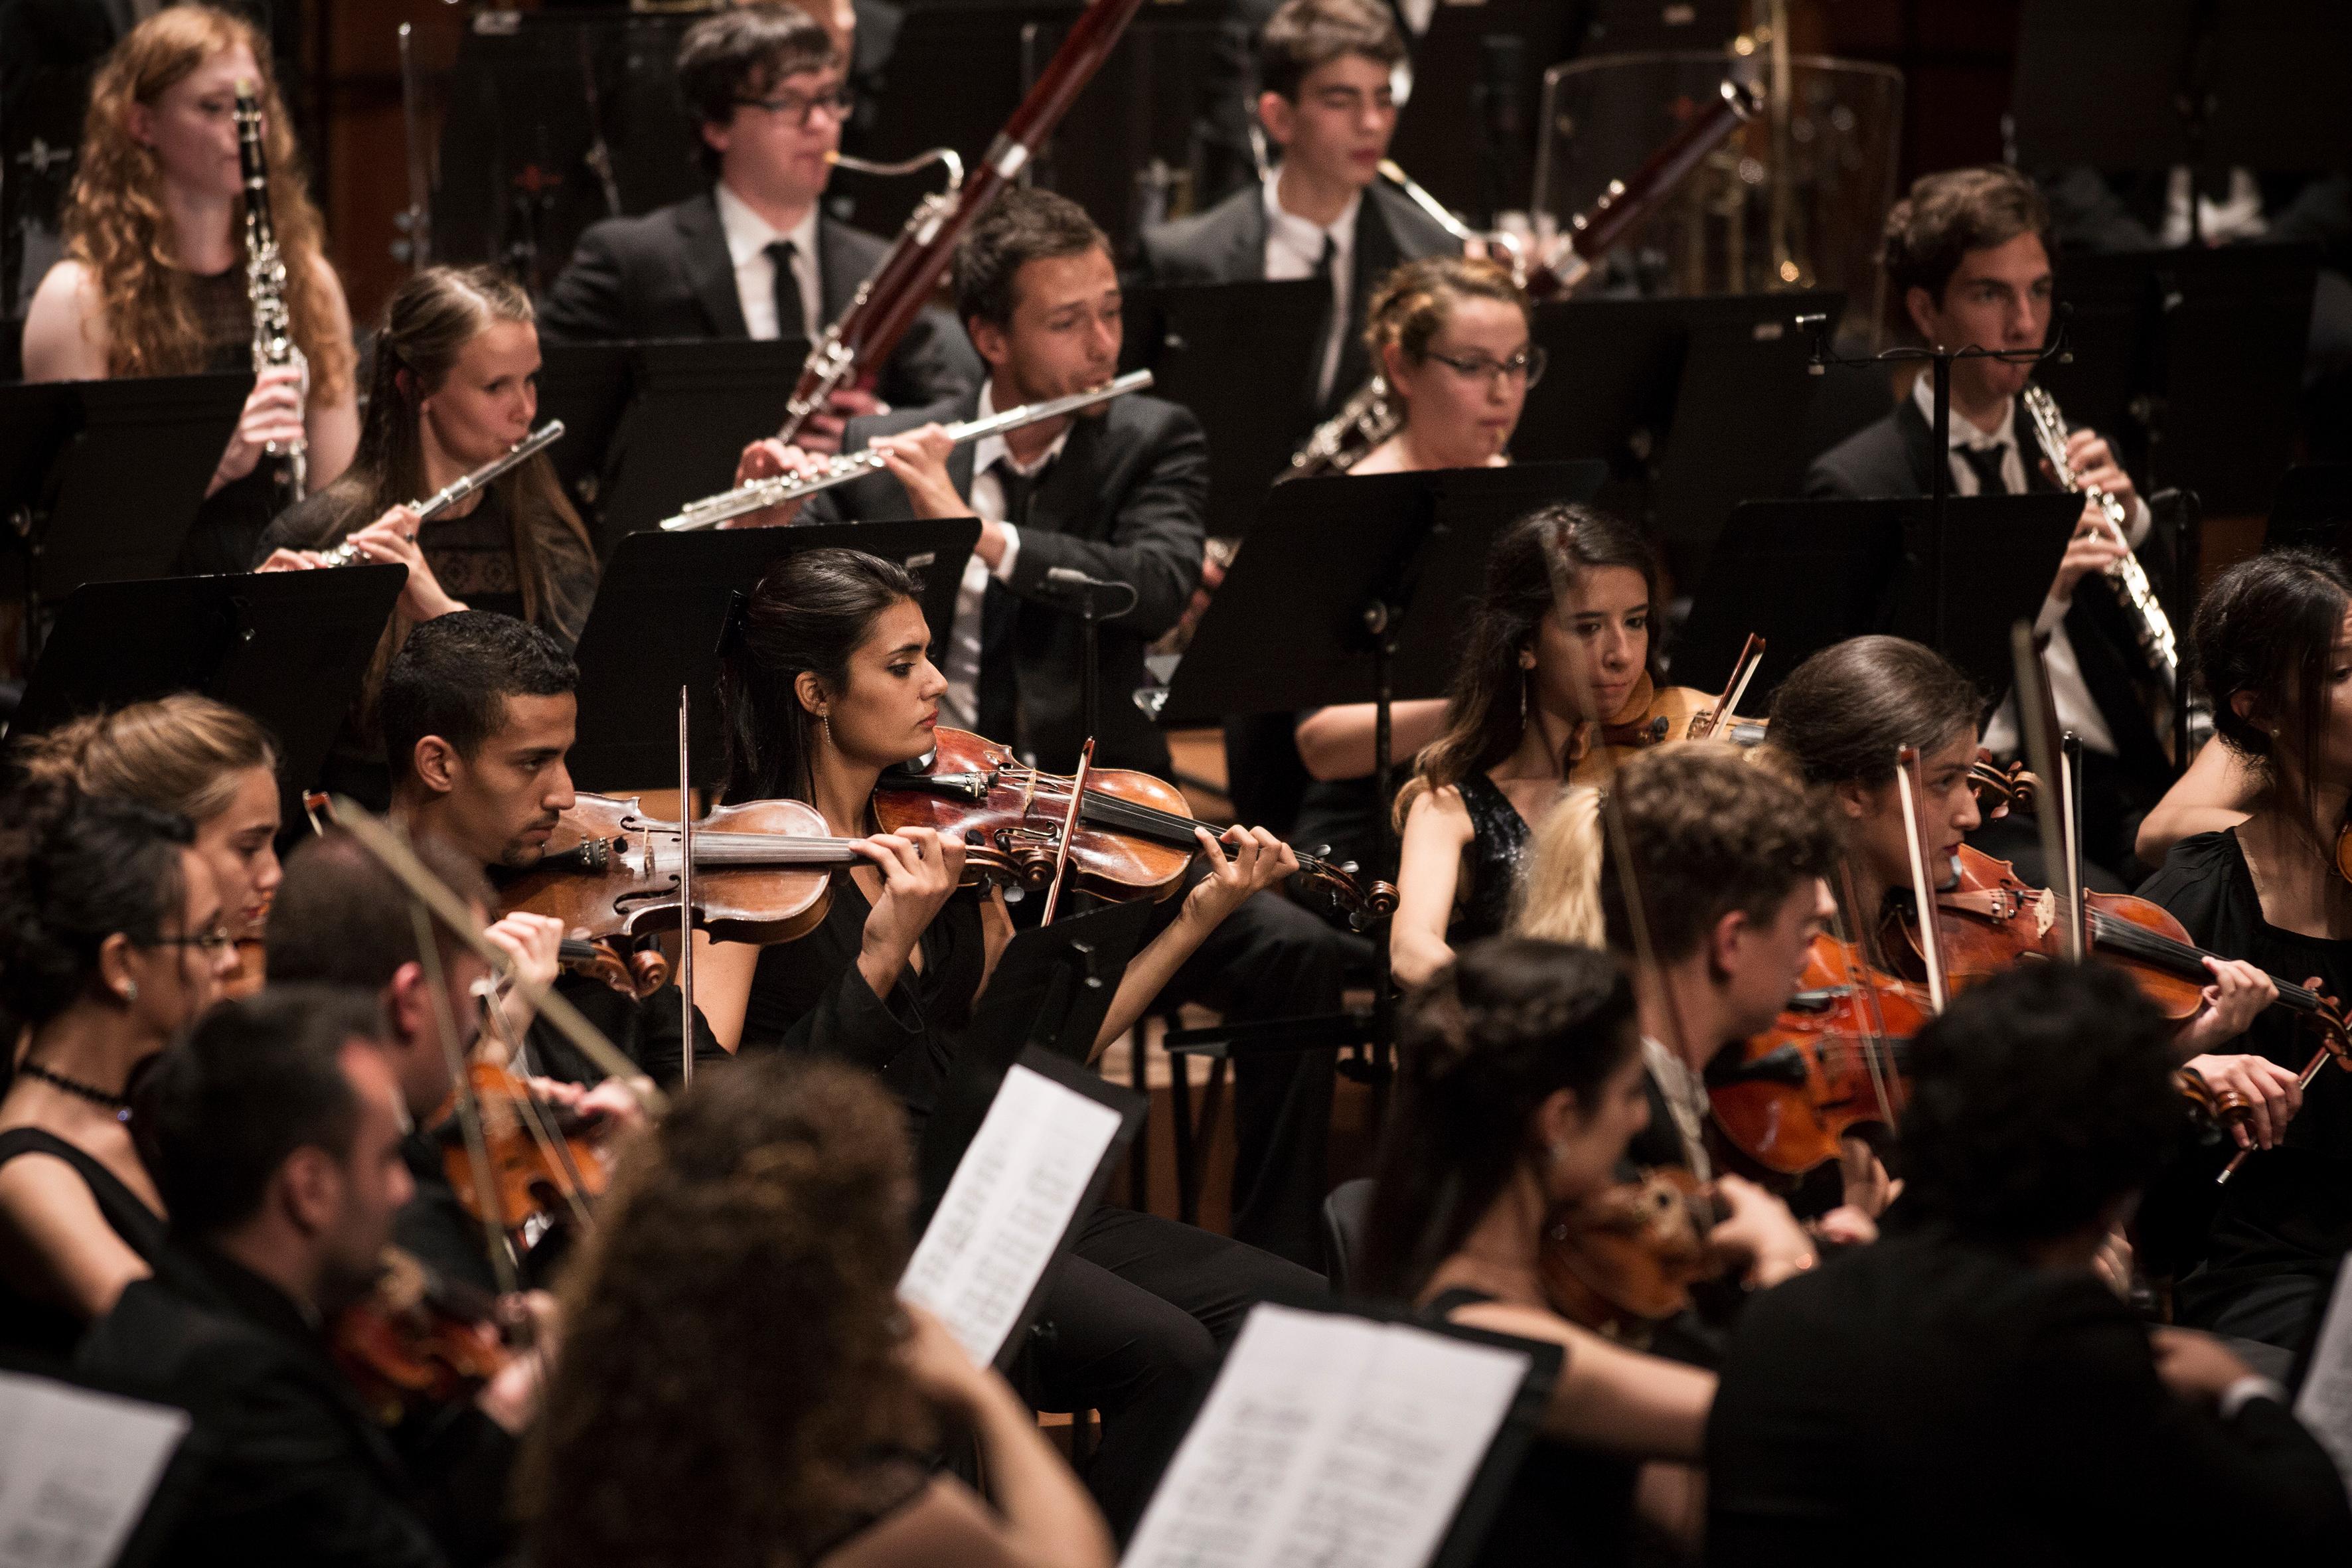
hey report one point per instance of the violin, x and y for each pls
(1625, 1259)
(1133, 835)
(1836, 1056)
(539, 1157)
(417, 1339)
(1652, 716)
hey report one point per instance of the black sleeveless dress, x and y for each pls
(1497, 858)
(36, 1332)
(1567, 1505)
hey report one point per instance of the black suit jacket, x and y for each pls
(1893, 456)
(667, 275)
(1226, 244)
(285, 1466)
(1122, 502)
(1948, 1403)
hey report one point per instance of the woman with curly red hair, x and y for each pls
(153, 279)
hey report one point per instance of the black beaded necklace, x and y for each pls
(116, 1103)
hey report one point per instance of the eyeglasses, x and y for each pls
(1526, 365)
(214, 941)
(797, 109)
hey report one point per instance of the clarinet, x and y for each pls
(758, 494)
(457, 489)
(2151, 627)
(265, 279)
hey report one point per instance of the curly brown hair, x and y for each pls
(1952, 212)
(115, 224)
(1409, 306)
(729, 1371)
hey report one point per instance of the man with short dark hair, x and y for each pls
(756, 255)
(1325, 100)
(1971, 1389)
(274, 1134)
(1969, 253)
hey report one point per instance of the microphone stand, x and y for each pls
(1077, 592)
(1939, 362)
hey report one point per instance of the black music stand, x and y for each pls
(291, 649)
(99, 481)
(692, 408)
(1240, 356)
(1352, 589)
(1808, 574)
(655, 622)
(586, 386)
(1695, 405)
(1468, 132)
(2314, 508)
(1046, 999)
(2193, 358)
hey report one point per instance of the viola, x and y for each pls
(1133, 835)
(1625, 1259)
(1836, 1057)
(541, 1159)
(417, 1339)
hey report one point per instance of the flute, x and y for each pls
(457, 489)
(761, 494)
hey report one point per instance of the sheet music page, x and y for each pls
(2324, 1405)
(76, 1471)
(1328, 1439)
(1007, 1204)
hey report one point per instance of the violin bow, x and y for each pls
(533, 1111)
(685, 900)
(2046, 754)
(1069, 829)
(1910, 782)
(1878, 1051)
(1743, 670)
(488, 1201)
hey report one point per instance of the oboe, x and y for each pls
(265, 278)
(761, 494)
(457, 489)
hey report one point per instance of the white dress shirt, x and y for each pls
(748, 238)
(2076, 709)
(1293, 247)
(960, 704)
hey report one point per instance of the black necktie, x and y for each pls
(1334, 320)
(1987, 461)
(996, 696)
(792, 320)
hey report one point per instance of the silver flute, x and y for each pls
(348, 553)
(761, 494)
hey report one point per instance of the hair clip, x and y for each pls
(731, 629)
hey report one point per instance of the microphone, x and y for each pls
(1081, 588)
(1070, 577)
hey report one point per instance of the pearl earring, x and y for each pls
(130, 992)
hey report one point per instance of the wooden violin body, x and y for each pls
(417, 1339)
(1656, 716)
(1624, 1260)
(1836, 1057)
(535, 1169)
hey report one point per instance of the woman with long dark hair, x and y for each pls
(825, 682)
(738, 1383)
(153, 279)
(110, 942)
(1562, 637)
(2273, 642)
(1519, 1085)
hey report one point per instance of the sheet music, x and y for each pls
(76, 1471)
(1007, 1205)
(1328, 1439)
(2325, 1405)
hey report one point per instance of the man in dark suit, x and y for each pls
(1325, 100)
(1968, 251)
(1974, 1388)
(274, 1132)
(755, 256)
(1115, 494)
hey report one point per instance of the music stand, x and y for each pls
(2193, 358)
(101, 480)
(1046, 998)
(1696, 403)
(2314, 508)
(1239, 357)
(290, 648)
(586, 386)
(692, 408)
(1807, 575)
(1469, 132)
(655, 622)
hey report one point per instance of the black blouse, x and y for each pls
(809, 995)
(36, 1330)
(1497, 860)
